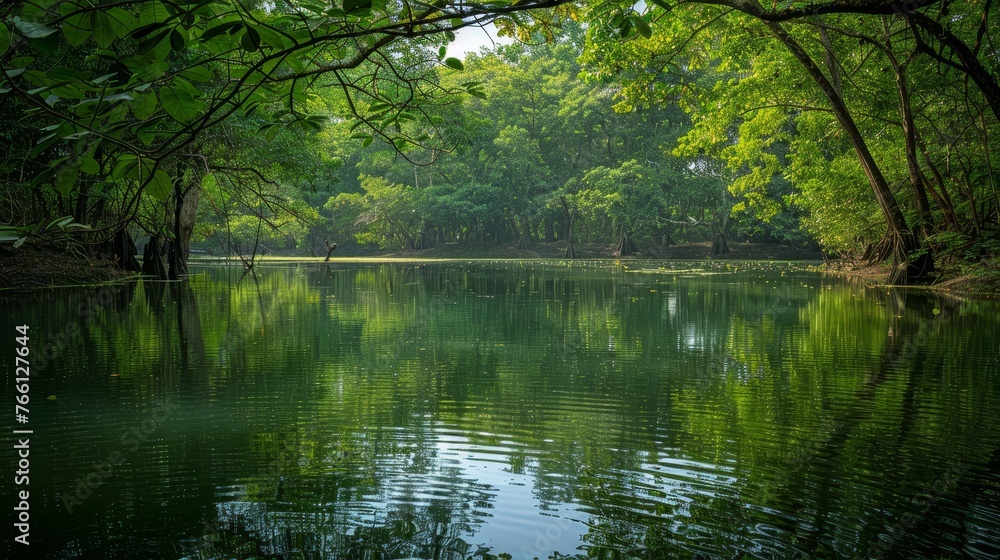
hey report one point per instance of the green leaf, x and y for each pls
(295, 63)
(159, 186)
(143, 105)
(125, 167)
(177, 40)
(357, 5)
(367, 141)
(250, 41)
(4, 38)
(271, 132)
(179, 102)
(272, 38)
(229, 26)
(153, 12)
(20, 241)
(48, 87)
(663, 4)
(102, 28)
(60, 223)
(89, 165)
(308, 125)
(452, 62)
(76, 28)
(625, 28)
(153, 45)
(65, 179)
(103, 78)
(641, 26)
(198, 74)
(61, 130)
(122, 22)
(33, 30)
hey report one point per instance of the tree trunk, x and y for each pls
(902, 241)
(185, 212)
(626, 246)
(719, 246)
(124, 250)
(152, 259)
(570, 245)
(666, 241)
(925, 223)
(944, 199)
(524, 239)
(330, 248)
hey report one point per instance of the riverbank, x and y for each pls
(980, 281)
(32, 267)
(557, 250)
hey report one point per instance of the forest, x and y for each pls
(867, 130)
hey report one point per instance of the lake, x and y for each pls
(461, 409)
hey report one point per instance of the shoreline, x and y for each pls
(37, 269)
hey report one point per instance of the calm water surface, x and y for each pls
(457, 410)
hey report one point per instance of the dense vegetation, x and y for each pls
(868, 128)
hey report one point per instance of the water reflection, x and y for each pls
(471, 409)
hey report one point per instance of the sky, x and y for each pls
(470, 39)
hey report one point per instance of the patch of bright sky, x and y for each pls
(471, 39)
